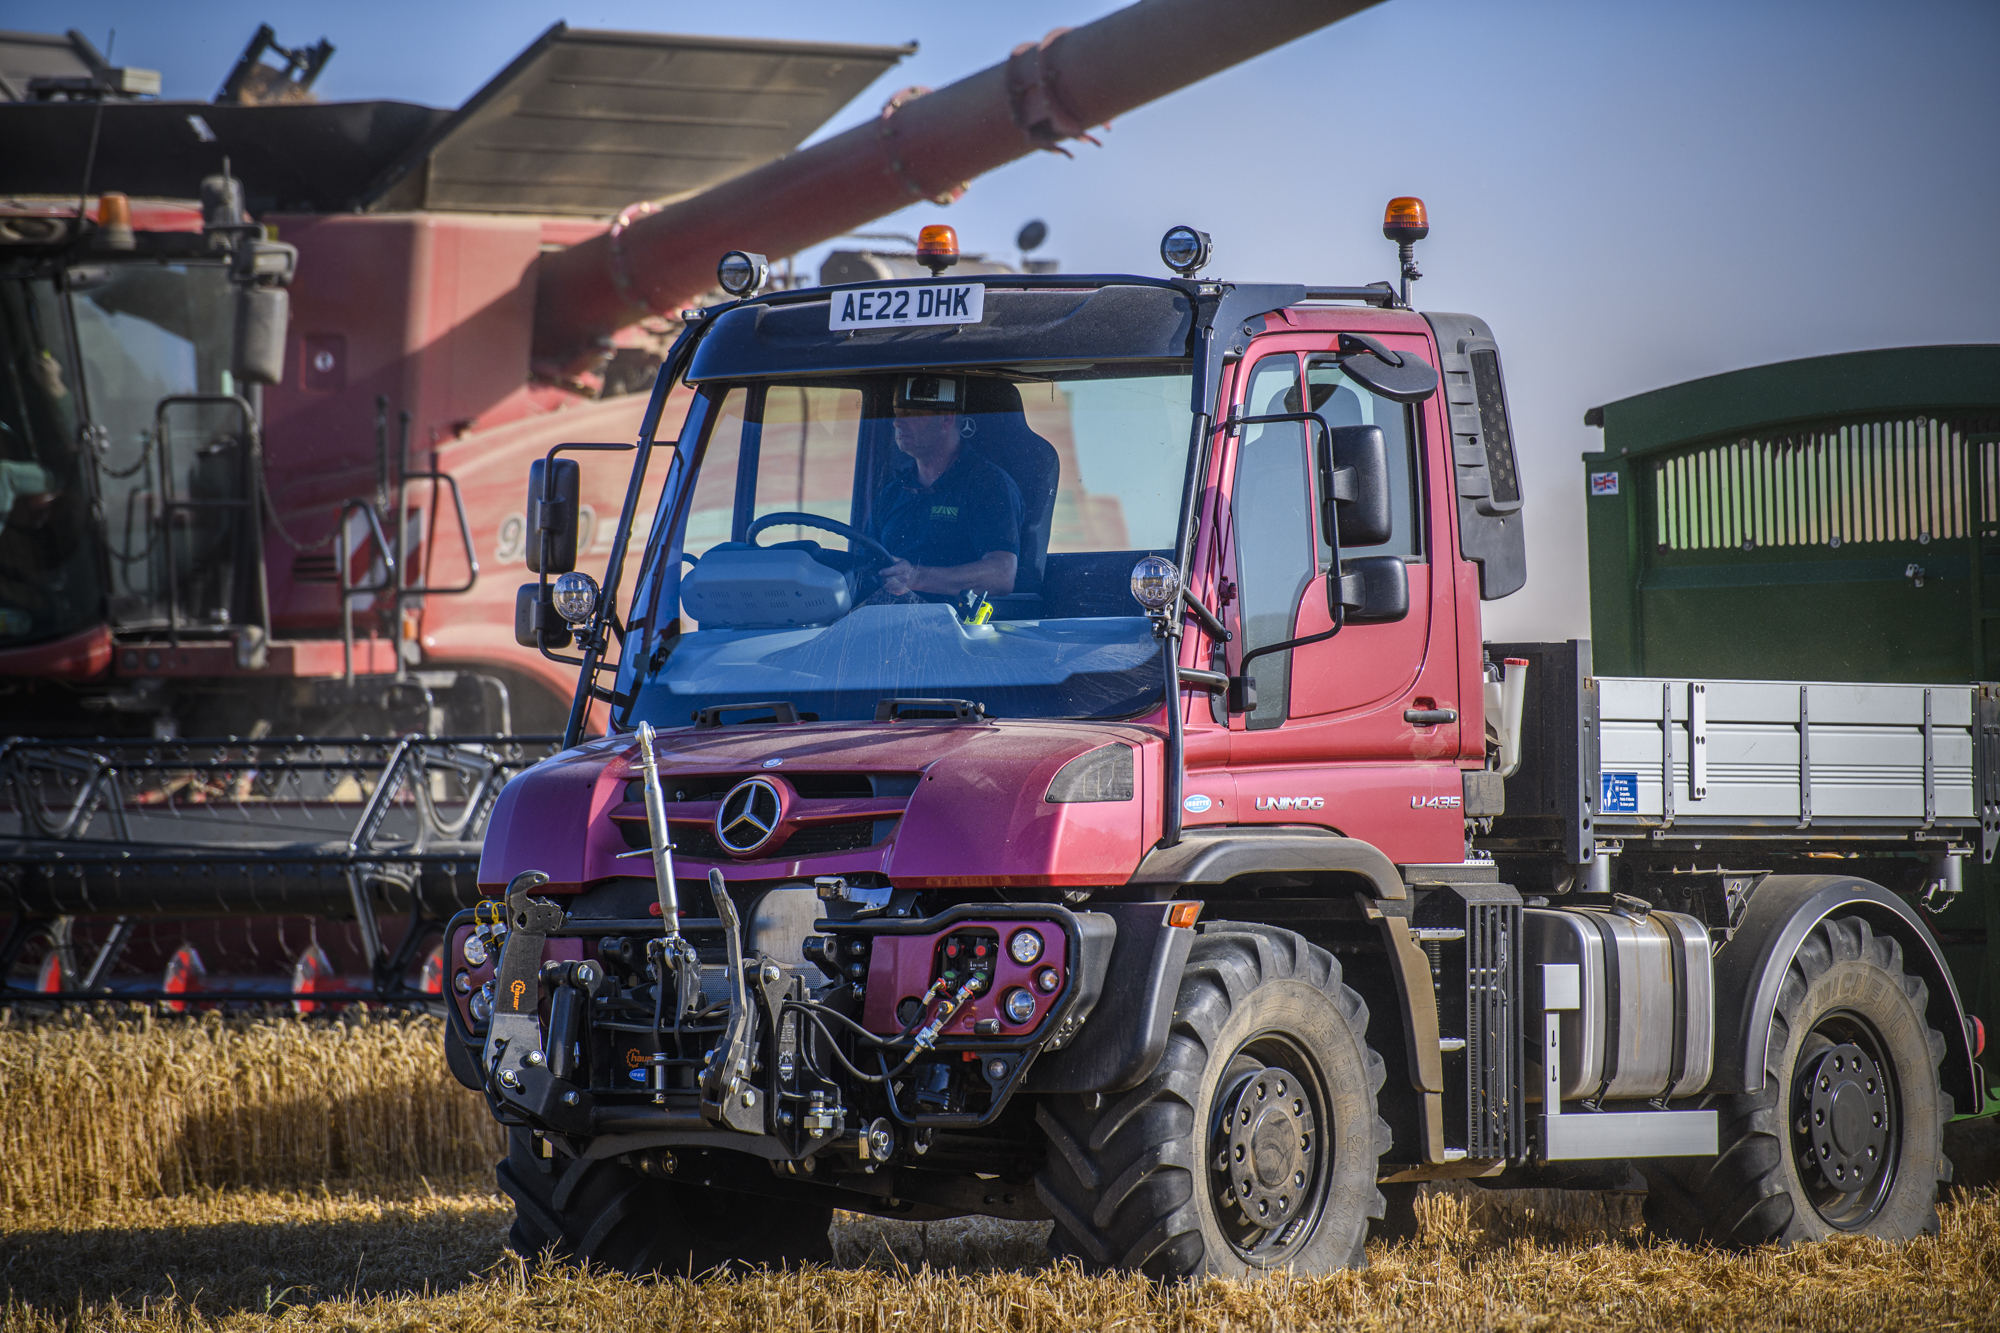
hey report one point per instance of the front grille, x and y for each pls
(1494, 1123)
(809, 786)
(699, 840)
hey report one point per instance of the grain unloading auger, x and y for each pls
(924, 145)
(293, 551)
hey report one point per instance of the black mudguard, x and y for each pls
(1126, 1032)
(1781, 913)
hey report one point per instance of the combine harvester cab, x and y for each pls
(1055, 772)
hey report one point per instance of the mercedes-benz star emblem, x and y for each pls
(749, 816)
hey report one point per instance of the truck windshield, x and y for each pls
(48, 568)
(959, 535)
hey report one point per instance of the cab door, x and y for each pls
(1338, 736)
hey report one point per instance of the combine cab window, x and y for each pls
(148, 332)
(48, 570)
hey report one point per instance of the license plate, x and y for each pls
(906, 307)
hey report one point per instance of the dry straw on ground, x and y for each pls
(419, 1261)
(100, 1110)
(264, 1108)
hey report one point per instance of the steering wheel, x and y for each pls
(855, 536)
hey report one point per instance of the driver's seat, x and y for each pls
(1001, 435)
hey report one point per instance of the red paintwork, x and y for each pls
(184, 973)
(84, 655)
(978, 818)
(903, 967)
(312, 973)
(433, 312)
(198, 659)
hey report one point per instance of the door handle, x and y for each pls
(1429, 717)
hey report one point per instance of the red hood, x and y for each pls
(978, 814)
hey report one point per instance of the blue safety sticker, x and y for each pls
(1621, 794)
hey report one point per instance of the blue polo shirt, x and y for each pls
(973, 509)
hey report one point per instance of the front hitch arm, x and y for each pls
(729, 1094)
(517, 1068)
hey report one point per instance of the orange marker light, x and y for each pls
(1405, 221)
(937, 247)
(1183, 915)
(114, 216)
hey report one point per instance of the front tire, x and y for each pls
(1846, 1136)
(1252, 1147)
(613, 1217)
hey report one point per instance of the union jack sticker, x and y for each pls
(1604, 483)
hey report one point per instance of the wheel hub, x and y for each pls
(1271, 1149)
(1846, 1122)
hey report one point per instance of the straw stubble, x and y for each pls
(174, 1176)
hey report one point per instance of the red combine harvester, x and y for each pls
(274, 368)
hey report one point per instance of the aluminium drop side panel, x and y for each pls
(1783, 754)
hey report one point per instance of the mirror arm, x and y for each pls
(1339, 618)
(1207, 619)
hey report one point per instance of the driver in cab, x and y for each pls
(953, 520)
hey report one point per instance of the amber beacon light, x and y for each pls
(937, 247)
(1405, 222)
(114, 216)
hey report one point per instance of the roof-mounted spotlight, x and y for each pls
(1184, 250)
(742, 273)
(937, 248)
(1406, 223)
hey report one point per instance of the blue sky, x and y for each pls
(1632, 195)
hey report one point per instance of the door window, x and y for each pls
(1271, 513)
(1343, 402)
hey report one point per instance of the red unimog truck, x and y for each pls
(1179, 865)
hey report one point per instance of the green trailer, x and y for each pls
(1832, 518)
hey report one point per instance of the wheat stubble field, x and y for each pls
(248, 1175)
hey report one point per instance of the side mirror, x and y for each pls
(1371, 588)
(1354, 487)
(552, 523)
(1399, 377)
(261, 316)
(536, 624)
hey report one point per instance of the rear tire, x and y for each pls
(1252, 1147)
(613, 1217)
(1877, 1122)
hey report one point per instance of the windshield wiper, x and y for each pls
(930, 710)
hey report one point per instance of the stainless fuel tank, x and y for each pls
(1646, 1024)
